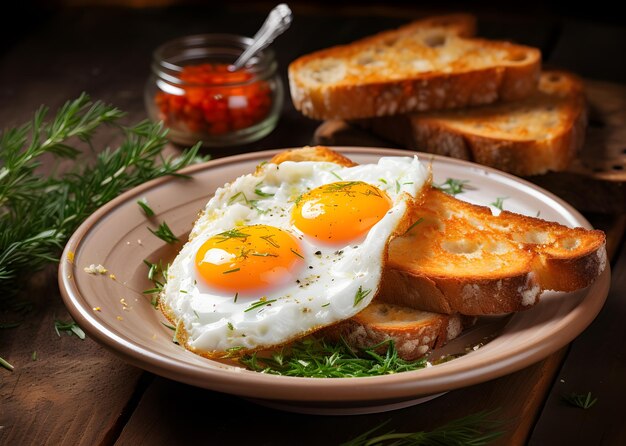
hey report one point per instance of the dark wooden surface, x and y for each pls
(78, 393)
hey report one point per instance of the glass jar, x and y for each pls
(196, 95)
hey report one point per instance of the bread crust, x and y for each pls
(414, 336)
(528, 256)
(473, 134)
(538, 255)
(336, 83)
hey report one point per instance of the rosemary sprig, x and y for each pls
(472, 430)
(580, 400)
(39, 212)
(318, 358)
(452, 186)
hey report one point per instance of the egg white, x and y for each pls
(322, 293)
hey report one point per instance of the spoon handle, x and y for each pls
(275, 24)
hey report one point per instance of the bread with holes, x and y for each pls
(460, 258)
(541, 133)
(414, 332)
(429, 64)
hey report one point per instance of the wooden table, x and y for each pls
(76, 392)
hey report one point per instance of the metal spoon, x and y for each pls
(277, 22)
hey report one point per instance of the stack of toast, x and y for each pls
(434, 87)
(458, 262)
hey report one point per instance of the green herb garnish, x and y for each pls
(6, 364)
(156, 274)
(336, 175)
(259, 303)
(143, 204)
(234, 270)
(452, 186)
(68, 327)
(580, 400)
(499, 203)
(417, 222)
(233, 233)
(473, 430)
(318, 358)
(260, 193)
(164, 233)
(297, 253)
(360, 295)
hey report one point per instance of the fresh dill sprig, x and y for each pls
(452, 186)
(164, 233)
(473, 430)
(580, 400)
(318, 358)
(38, 211)
(70, 328)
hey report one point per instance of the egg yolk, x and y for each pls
(340, 212)
(248, 258)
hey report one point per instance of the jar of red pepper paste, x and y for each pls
(199, 97)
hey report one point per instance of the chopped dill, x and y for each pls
(336, 175)
(417, 222)
(499, 203)
(164, 233)
(297, 253)
(234, 270)
(360, 295)
(452, 186)
(143, 204)
(268, 239)
(237, 197)
(319, 358)
(156, 274)
(580, 400)
(475, 430)
(259, 303)
(70, 328)
(233, 233)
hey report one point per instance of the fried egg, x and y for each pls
(283, 252)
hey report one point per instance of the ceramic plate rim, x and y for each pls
(444, 377)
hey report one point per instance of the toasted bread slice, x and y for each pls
(414, 332)
(428, 64)
(463, 259)
(541, 133)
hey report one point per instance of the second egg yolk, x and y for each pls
(248, 259)
(340, 212)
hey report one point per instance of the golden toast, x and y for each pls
(460, 259)
(543, 132)
(429, 64)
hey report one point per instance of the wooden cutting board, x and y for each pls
(596, 182)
